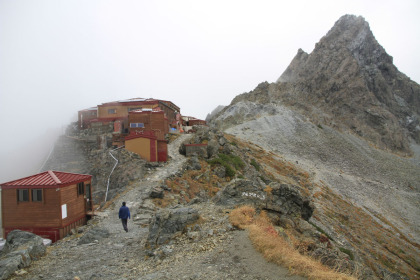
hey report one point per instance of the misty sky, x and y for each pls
(58, 57)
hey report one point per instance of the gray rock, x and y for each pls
(212, 148)
(20, 249)
(284, 199)
(18, 240)
(10, 264)
(222, 141)
(92, 235)
(220, 171)
(157, 192)
(167, 222)
(194, 163)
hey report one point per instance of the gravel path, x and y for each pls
(220, 254)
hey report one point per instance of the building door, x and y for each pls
(89, 202)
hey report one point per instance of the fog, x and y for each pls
(58, 57)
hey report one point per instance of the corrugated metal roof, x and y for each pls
(48, 178)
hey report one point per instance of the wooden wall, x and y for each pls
(31, 214)
(121, 109)
(155, 122)
(162, 149)
(76, 204)
(46, 213)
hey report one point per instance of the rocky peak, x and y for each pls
(347, 82)
(354, 33)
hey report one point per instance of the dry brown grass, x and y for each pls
(242, 217)
(276, 249)
(378, 245)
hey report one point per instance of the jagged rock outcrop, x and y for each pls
(350, 77)
(20, 249)
(214, 112)
(282, 199)
(168, 222)
(348, 82)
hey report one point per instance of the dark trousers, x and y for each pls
(124, 223)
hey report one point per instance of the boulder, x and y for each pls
(157, 192)
(168, 222)
(212, 148)
(220, 171)
(222, 141)
(23, 240)
(20, 249)
(194, 163)
(92, 235)
(283, 199)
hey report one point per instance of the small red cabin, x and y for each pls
(48, 204)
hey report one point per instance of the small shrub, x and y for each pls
(320, 126)
(230, 162)
(348, 252)
(255, 164)
(321, 231)
(230, 172)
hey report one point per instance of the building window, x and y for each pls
(37, 195)
(81, 188)
(112, 111)
(133, 109)
(22, 195)
(134, 125)
(93, 113)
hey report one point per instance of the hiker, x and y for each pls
(124, 214)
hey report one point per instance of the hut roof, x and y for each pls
(48, 178)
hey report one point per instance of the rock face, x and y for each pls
(282, 199)
(168, 222)
(348, 82)
(350, 77)
(20, 249)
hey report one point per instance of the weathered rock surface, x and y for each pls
(20, 249)
(167, 222)
(348, 82)
(93, 235)
(283, 199)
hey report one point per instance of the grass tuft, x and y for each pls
(277, 250)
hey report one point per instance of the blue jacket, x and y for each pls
(124, 213)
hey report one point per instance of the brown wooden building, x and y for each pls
(119, 110)
(149, 120)
(48, 204)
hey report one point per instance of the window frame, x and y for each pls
(136, 125)
(20, 194)
(112, 111)
(81, 188)
(38, 191)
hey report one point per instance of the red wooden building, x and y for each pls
(117, 112)
(48, 204)
(149, 120)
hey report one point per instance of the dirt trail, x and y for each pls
(122, 255)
